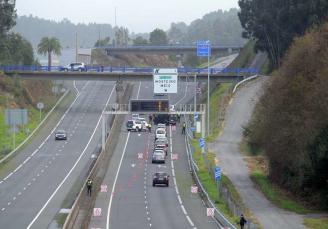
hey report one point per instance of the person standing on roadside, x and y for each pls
(183, 128)
(149, 127)
(89, 186)
(242, 221)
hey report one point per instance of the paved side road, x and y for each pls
(233, 165)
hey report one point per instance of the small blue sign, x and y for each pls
(196, 115)
(192, 128)
(201, 142)
(217, 173)
(203, 48)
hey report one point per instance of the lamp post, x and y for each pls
(208, 87)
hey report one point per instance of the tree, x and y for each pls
(7, 16)
(275, 23)
(49, 45)
(158, 37)
(139, 40)
(16, 50)
(103, 42)
(121, 36)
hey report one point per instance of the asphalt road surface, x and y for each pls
(235, 167)
(130, 201)
(32, 190)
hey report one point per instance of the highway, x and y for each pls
(35, 182)
(130, 200)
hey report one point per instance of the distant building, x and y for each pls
(84, 55)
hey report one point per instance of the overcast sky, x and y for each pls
(136, 15)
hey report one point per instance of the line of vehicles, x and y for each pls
(161, 146)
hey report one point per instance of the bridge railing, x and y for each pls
(110, 69)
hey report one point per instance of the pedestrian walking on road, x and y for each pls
(242, 221)
(149, 127)
(178, 117)
(150, 117)
(89, 186)
(183, 128)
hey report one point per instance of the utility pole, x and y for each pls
(76, 47)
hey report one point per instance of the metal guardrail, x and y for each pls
(194, 168)
(110, 69)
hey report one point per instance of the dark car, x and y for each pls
(173, 120)
(129, 125)
(60, 135)
(161, 178)
(161, 118)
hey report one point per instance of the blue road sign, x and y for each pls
(203, 48)
(201, 142)
(192, 129)
(196, 115)
(217, 173)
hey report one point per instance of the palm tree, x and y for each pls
(49, 45)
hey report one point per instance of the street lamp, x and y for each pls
(208, 86)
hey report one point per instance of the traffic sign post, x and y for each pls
(204, 50)
(217, 177)
(217, 173)
(201, 142)
(165, 80)
(40, 106)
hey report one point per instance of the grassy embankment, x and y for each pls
(218, 101)
(22, 94)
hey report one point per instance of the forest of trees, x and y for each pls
(290, 123)
(221, 27)
(14, 48)
(275, 23)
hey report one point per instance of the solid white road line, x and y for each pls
(176, 186)
(118, 170)
(75, 164)
(115, 180)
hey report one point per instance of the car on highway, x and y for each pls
(160, 133)
(133, 125)
(161, 146)
(162, 141)
(135, 116)
(158, 156)
(161, 118)
(161, 125)
(60, 135)
(161, 178)
(74, 67)
(173, 120)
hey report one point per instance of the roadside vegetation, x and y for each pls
(16, 93)
(290, 127)
(207, 180)
(316, 223)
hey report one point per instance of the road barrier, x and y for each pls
(194, 168)
(37, 68)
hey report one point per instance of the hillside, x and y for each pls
(291, 120)
(22, 94)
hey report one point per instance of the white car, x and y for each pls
(134, 125)
(160, 133)
(75, 67)
(161, 125)
(135, 116)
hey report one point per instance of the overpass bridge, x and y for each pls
(125, 74)
(167, 49)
